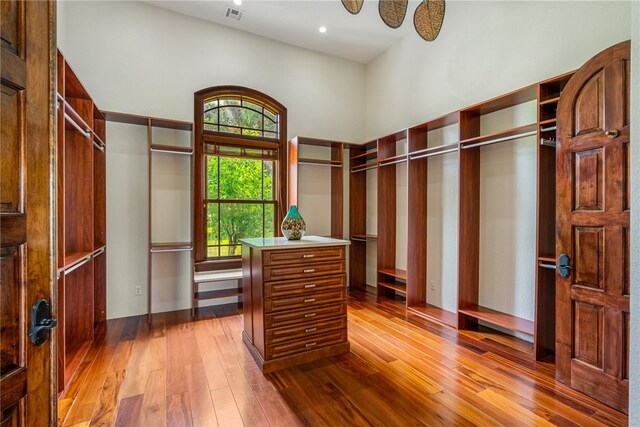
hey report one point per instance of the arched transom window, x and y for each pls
(242, 116)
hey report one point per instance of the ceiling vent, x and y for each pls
(234, 13)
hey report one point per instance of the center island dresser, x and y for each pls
(294, 296)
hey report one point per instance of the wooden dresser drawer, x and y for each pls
(306, 316)
(305, 300)
(297, 287)
(288, 257)
(301, 271)
(311, 343)
(297, 332)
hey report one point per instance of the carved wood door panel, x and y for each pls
(592, 300)
(27, 395)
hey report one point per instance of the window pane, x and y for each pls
(271, 115)
(213, 238)
(229, 101)
(211, 116)
(240, 178)
(213, 252)
(212, 177)
(269, 125)
(269, 214)
(210, 104)
(252, 106)
(239, 221)
(227, 129)
(270, 135)
(211, 127)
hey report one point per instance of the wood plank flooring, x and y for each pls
(402, 371)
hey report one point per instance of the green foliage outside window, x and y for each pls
(240, 202)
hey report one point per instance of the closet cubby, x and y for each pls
(391, 278)
(497, 213)
(430, 145)
(81, 209)
(323, 161)
(363, 168)
(170, 180)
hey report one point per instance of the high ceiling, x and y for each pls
(359, 37)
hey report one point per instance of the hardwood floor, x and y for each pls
(402, 370)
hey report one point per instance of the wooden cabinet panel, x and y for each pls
(297, 332)
(589, 180)
(589, 321)
(589, 106)
(289, 348)
(297, 287)
(304, 301)
(589, 256)
(303, 255)
(306, 315)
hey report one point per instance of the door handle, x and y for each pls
(564, 265)
(41, 322)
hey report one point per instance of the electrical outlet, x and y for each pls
(138, 291)
(432, 285)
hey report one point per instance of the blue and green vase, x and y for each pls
(293, 226)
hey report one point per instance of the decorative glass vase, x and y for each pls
(293, 226)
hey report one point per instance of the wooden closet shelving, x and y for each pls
(392, 153)
(81, 211)
(470, 315)
(362, 163)
(331, 157)
(175, 152)
(420, 152)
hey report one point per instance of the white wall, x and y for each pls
(634, 377)
(485, 49)
(139, 59)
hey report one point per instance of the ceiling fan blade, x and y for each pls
(392, 12)
(353, 6)
(428, 18)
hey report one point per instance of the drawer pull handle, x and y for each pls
(309, 315)
(310, 300)
(310, 285)
(308, 255)
(310, 330)
(309, 270)
(311, 344)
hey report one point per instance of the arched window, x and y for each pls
(240, 170)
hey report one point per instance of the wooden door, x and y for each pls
(27, 393)
(592, 332)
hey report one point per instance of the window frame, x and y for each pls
(206, 142)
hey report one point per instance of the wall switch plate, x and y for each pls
(138, 291)
(432, 285)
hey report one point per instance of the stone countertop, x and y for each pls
(283, 243)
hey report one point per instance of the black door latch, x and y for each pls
(41, 322)
(564, 265)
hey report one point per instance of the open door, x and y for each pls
(592, 241)
(27, 184)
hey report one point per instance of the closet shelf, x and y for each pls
(433, 151)
(365, 166)
(498, 318)
(432, 312)
(550, 101)
(392, 160)
(222, 293)
(320, 162)
(399, 287)
(506, 135)
(73, 258)
(365, 154)
(364, 237)
(548, 122)
(394, 272)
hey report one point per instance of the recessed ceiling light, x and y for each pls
(237, 2)
(322, 29)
